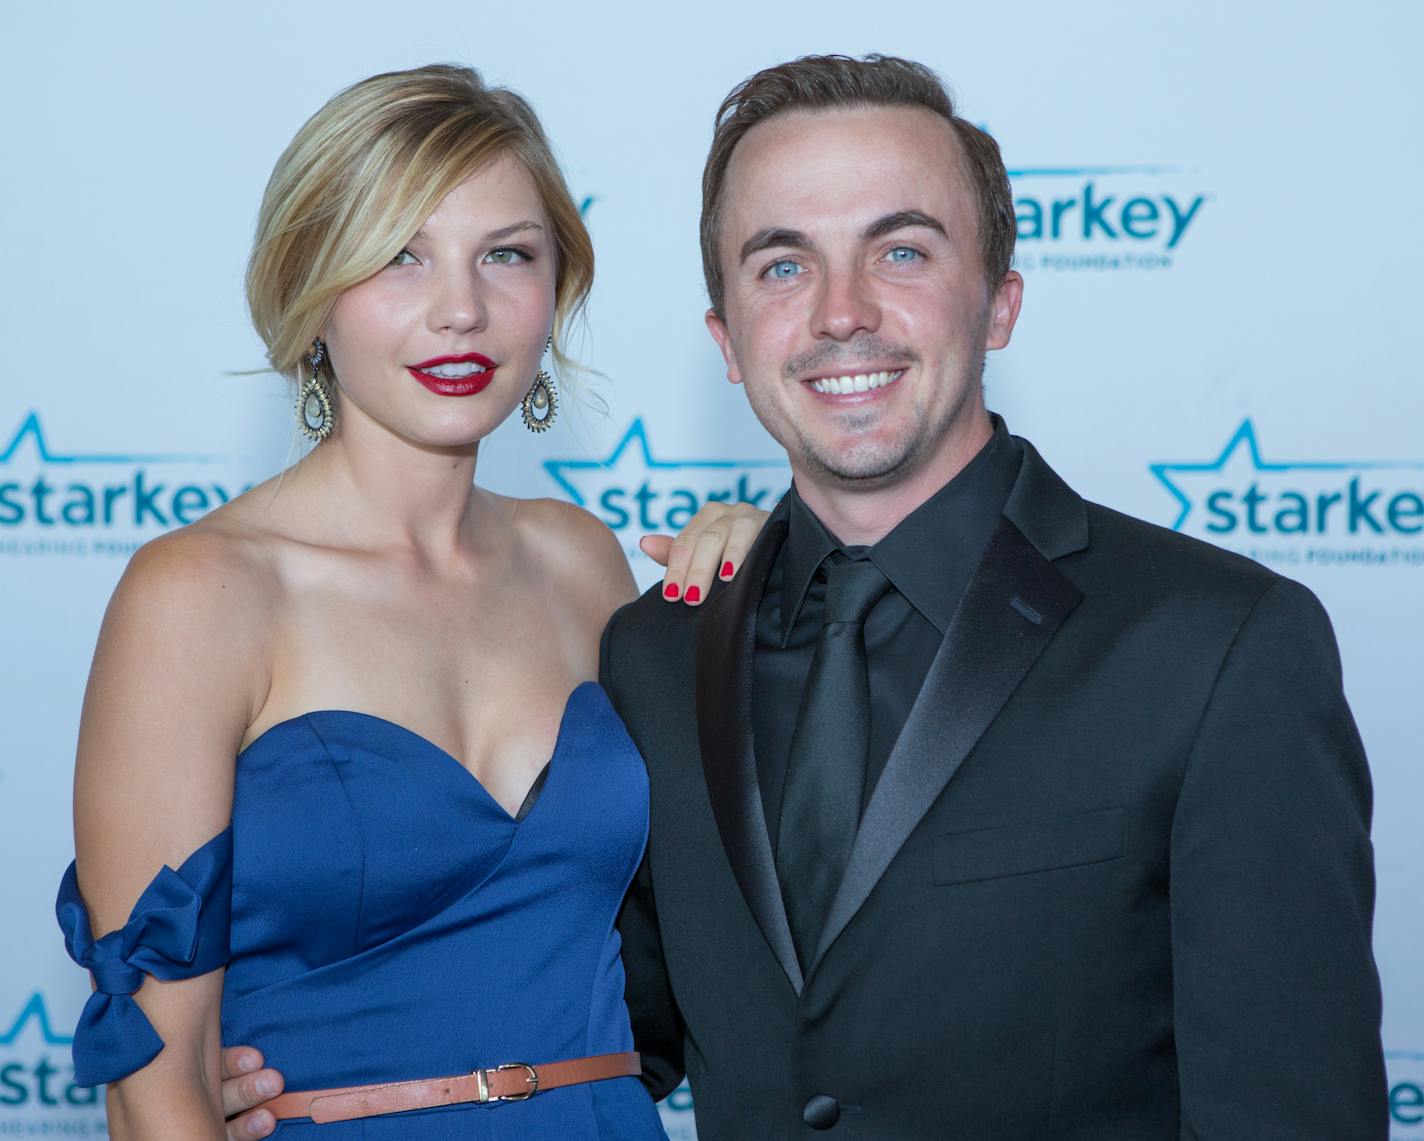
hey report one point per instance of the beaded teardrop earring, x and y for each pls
(315, 417)
(541, 403)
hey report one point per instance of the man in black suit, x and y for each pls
(978, 811)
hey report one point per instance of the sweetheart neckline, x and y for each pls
(439, 750)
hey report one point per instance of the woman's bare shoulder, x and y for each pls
(207, 567)
(578, 551)
(197, 602)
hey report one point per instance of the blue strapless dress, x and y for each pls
(383, 918)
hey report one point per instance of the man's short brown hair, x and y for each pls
(826, 82)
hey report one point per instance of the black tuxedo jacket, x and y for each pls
(1115, 881)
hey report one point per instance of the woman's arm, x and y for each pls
(171, 692)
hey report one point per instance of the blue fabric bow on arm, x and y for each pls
(178, 929)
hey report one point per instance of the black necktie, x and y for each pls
(825, 774)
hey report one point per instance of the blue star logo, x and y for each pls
(34, 1011)
(30, 437)
(1243, 452)
(632, 453)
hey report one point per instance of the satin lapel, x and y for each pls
(1014, 604)
(726, 640)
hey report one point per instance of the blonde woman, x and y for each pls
(345, 790)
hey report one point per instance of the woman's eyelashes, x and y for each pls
(501, 255)
(509, 255)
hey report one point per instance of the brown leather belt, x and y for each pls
(513, 1081)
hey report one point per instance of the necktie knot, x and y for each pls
(853, 586)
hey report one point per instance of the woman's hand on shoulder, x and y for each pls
(714, 544)
(176, 675)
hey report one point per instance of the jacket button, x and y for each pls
(821, 1111)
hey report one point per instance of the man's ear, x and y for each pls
(718, 328)
(1004, 310)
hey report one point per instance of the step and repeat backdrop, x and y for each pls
(1218, 226)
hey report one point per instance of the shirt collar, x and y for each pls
(931, 554)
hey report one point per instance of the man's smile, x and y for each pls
(848, 384)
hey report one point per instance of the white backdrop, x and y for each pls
(1219, 333)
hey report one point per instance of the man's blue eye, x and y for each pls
(902, 254)
(783, 269)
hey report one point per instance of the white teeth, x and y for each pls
(454, 371)
(859, 382)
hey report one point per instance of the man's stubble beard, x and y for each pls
(866, 464)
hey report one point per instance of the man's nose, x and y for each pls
(846, 306)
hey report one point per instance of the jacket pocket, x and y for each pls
(1035, 846)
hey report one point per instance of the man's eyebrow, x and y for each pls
(899, 221)
(775, 236)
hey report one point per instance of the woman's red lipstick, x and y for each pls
(455, 385)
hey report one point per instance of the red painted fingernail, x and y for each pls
(670, 591)
(694, 594)
(727, 569)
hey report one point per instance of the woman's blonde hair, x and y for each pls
(364, 173)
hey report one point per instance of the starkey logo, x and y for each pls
(1074, 218)
(1406, 1093)
(55, 502)
(1326, 512)
(38, 1096)
(633, 492)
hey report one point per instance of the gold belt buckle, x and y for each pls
(482, 1079)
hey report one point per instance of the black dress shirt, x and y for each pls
(929, 559)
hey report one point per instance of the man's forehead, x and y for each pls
(844, 167)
